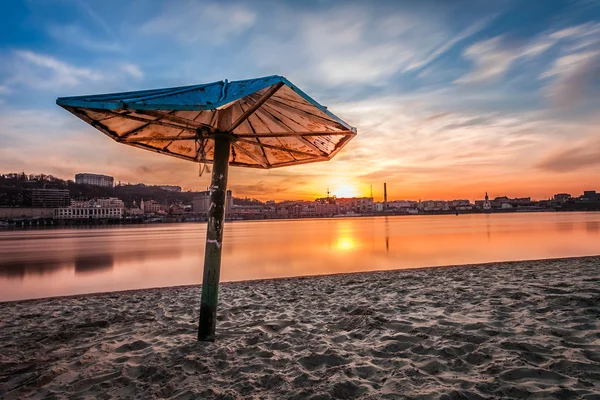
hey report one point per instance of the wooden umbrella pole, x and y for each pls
(214, 238)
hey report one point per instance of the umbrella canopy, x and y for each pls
(260, 123)
(274, 123)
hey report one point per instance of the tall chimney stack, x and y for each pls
(385, 206)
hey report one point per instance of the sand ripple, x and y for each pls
(503, 330)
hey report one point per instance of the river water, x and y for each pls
(53, 262)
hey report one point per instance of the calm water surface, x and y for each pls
(53, 262)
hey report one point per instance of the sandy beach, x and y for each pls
(503, 330)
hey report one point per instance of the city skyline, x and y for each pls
(450, 100)
(327, 194)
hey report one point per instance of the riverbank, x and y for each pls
(42, 223)
(506, 330)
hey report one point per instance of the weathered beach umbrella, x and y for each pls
(258, 123)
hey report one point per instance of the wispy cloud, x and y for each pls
(75, 35)
(212, 23)
(94, 16)
(492, 58)
(44, 71)
(491, 61)
(575, 76)
(133, 70)
(573, 158)
(353, 45)
(470, 31)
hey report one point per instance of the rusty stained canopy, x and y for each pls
(273, 123)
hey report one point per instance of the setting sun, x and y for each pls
(345, 190)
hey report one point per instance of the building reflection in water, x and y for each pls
(85, 264)
(61, 262)
(387, 236)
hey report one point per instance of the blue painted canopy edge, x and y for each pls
(200, 97)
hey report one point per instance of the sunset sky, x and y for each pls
(450, 98)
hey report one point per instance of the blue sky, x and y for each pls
(451, 98)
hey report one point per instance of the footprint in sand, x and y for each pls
(133, 346)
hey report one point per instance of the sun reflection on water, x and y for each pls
(345, 243)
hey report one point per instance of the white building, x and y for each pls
(88, 213)
(201, 202)
(402, 204)
(110, 202)
(170, 188)
(486, 204)
(103, 202)
(433, 205)
(95, 179)
(110, 208)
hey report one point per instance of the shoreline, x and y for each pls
(301, 277)
(497, 330)
(61, 225)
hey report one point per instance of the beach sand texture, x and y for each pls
(503, 330)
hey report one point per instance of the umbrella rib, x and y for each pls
(187, 123)
(255, 106)
(286, 134)
(151, 121)
(138, 129)
(168, 144)
(160, 151)
(244, 135)
(280, 142)
(164, 138)
(263, 122)
(269, 146)
(339, 145)
(280, 122)
(311, 115)
(249, 154)
(253, 135)
(101, 127)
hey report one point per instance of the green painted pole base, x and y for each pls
(214, 239)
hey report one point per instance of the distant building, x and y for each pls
(88, 213)
(109, 202)
(359, 205)
(95, 179)
(201, 202)
(562, 197)
(590, 195)
(150, 206)
(326, 209)
(400, 204)
(109, 208)
(7, 213)
(46, 198)
(433, 205)
(102, 202)
(486, 203)
(506, 202)
(171, 188)
(134, 210)
(176, 209)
